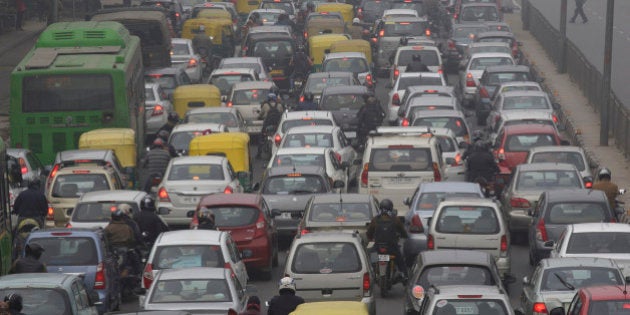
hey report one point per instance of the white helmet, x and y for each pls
(356, 20)
(287, 283)
(125, 208)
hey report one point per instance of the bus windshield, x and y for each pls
(67, 92)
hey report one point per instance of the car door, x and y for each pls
(528, 298)
(81, 299)
(234, 256)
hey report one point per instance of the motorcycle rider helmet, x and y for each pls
(173, 117)
(34, 250)
(117, 214)
(125, 208)
(286, 283)
(386, 206)
(604, 173)
(272, 97)
(35, 183)
(15, 301)
(356, 21)
(147, 203)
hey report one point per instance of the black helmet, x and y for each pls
(604, 173)
(35, 183)
(205, 214)
(173, 117)
(34, 249)
(163, 134)
(15, 301)
(117, 214)
(386, 205)
(309, 96)
(147, 203)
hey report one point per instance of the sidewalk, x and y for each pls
(583, 116)
(11, 38)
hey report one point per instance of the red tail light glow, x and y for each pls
(192, 63)
(470, 81)
(395, 97)
(541, 231)
(229, 104)
(366, 284)
(437, 176)
(68, 225)
(277, 139)
(381, 33)
(427, 32)
(51, 214)
(368, 79)
(157, 110)
(99, 279)
(163, 195)
(484, 93)
(430, 242)
(519, 203)
(364, 175)
(23, 167)
(147, 275)
(451, 45)
(555, 118)
(504, 243)
(228, 190)
(416, 225)
(405, 122)
(539, 308)
(396, 73)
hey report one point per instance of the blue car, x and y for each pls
(85, 252)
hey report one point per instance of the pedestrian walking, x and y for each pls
(579, 9)
(20, 8)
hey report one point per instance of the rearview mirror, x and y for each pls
(549, 244)
(407, 201)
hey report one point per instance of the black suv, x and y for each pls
(174, 8)
(276, 51)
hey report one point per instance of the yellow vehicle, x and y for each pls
(214, 14)
(319, 46)
(220, 31)
(319, 26)
(353, 45)
(244, 7)
(122, 141)
(332, 308)
(346, 10)
(234, 145)
(186, 97)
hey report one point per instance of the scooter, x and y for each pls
(128, 266)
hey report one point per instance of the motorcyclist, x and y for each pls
(206, 220)
(149, 222)
(301, 64)
(605, 184)
(308, 103)
(286, 302)
(118, 232)
(156, 161)
(476, 136)
(164, 135)
(15, 303)
(369, 117)
(128, 218)
(172, 120)
(386, 228)
(481, 163)
(30, 262)
(31, 203)
(270, 113)
(416, 65)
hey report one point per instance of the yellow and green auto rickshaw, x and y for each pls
(244, 7)
(187, 97)
(219, 30)
(346, 10)
(332, 308)
(122, 141)
(319, 46)
(354, 45)
(319, 26)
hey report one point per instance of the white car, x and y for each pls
(484, 47)
(324, 137)
(182, 134)
(454, 120)
(268, 16)
(469, 77)
(224, 79)
(604, 240)
(157, 106)
(246, 62)
(301, 118)
(430, 56)
(188, 179)
(188, 248)
(248, 97)
(451, 154)
(184, 55)
(425, 103)
(404, 81)
(393, 13)
(530, 101)
(324, 157)
(229, 116)
(515, 86)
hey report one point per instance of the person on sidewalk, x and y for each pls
(579, 9)
(20, 8)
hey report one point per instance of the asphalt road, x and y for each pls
(589, 37)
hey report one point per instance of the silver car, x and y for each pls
(182, 134)
(94, 208)
(246, 62)
(471, 73)
(522, 101)
(229, 116)
(157, 107)
(183, 54)
(562, 154)
(354, 62)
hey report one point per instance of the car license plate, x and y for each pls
(285, 215)
(277, 72)
(465, 310)
(383, 257)
(350, 134)
(400, 180)
(191, 199)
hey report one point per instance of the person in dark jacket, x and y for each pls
(369, 116)
(118, 233)
(31, 203)
(308, 103)
(30, 262)
(481, 163)
(206, 220)
(579, 9)
(15, 303)
(286, 302)
(156, 161)
(253, 306)
(149, 222)
(386, 228)
(416, 65)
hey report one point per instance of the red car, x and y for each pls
(514, 141)
(607, 299)
(247, 218)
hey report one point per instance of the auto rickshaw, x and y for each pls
(346, 10)
(186, 97)
(244, 7)
(220, 31)
(332, 308)
(318, 26)
(354, 45)
(122, 141)
(319, 46)
(214, 14)
(233, 145)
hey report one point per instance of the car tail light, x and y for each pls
(588, 184)
(277, 139)
(539, 308)
(430, 242)
(360, 13)
(458, 159)
(368, 79)
(374, 40)
(304, 231)
(229, 104)
(301, 98)
(555, 118)
(23, 168)
(437, 176)
(366, 284)
(381, 33)
(68, 225)
(147, 276)
(99, 279)
(192, 63)
(455, 16)
(427, 32)
(157, 110)
(519, 203)
(416, 225)
(364, 175)
(163, 195)
(228, 190)
(541, 231)
(396, 72)
(440, 70)
(305, 35)
(227, 265)
(261, 226)
(470, 81)
(483, 93)
(231, 311)
(501, 154)
(338, 156)
(451, 45)
(405, 122)
(395, 97)
(52, 174)
(504, 246)
(51, 213)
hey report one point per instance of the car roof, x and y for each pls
(194, 273)
(490, 55)
(284, 170)
(481, 44)
(241, 60)
(311, 129)
(196, 127)
(524, 93)
(455, 257)
(420, 74)
(115, 195)
(303, 150)
(69, 155)
(415, 47)
(327, 236)
(405, 19)
(528, 129)
(282, 29)
(212, 159)
(455, 201)
(181, 40)
(348, 54)
(606, 292)
(330, 74)
(189, 236)
(556, 148)
(495, 34)
(400, 11)
(455, 290)
(441, 113)
(577, 262)
(211, 110)
(307, 113)
(475, 4)
(252, 85)
(437, 88)
(92, 167)
(279, 11)
(237, 199)
(345, 89)
(47, 280)
(449, 187)
(600, 227)
(66, 232)
(547, 166)
(346, 197)
(575, 195)
(508, 68)
(431, 100)
(526, 114)
(232, 71)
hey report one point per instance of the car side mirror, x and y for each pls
(223, 98)
(190, 214)
(275, 213)
(256, 187)
(338, 184)
(549, 244)
(407, 201)
(525, 280)
(557, 311)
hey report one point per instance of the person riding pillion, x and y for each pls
(286, 302)
(387, 229)
(31, 203)
(370, 116)
(30, 262)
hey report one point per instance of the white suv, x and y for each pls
(396, 160)
(430, 56)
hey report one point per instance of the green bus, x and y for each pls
(6, 232)
(79, 76)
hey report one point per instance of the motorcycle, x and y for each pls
(267, 142)
(129, 271)
(385, 268)
(153, 182)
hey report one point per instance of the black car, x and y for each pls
(369, 10)
(174, 8)
(276, 51)
(460, 36)
(344, 102)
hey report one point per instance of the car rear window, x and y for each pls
(179, 49)
(547, 180)
(247, 97)
(404, 28)
(406, 82)
(455, 124)
(164, 80)
(317, 85)
(455, 274)
(288, 124)
(599, 242)
(192, 291)
(185, 256)
(447, 144)
(467, 220)
(468, 31)
(501, 77)
(479, 13)
(428, 57)
(524, 142)
(430, 200)
(573, 158)
(314, 140)
(196, 172)
(67, 251)
(232, 65)
(354, 65)
(234, 216)
(526, 102)
(336, 212)
(572, 212)
(98, 211)
(511, 122)
(484, 49)
(297, 183)
(300, 160)
(216, 118)
(273, 48)
(498, 39)
(482, 62)
(326, 258)
(224, 82)
(577, 277)
(286, 6)
(401, 158)
(470, 306)
(42, 301)
(75, 185)
(342, 101)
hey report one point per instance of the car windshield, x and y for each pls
(455, 124)
(149, 95)
(573, 212)
(438, 275)
(573, 278)
(249, 96)
(165, 81)
(180, 49)
(430, 200)
(254, 66)
(482, 62)
(547, 180)
(191, 291)
(404, 28)
(574, 158)
(96, 211)
(305, 122)
(405, 82)
(296, 183)
(269, 17)
(282, 49)
(599, 242)
(479, 13)
(232, 216)
(317, 85)
(616, 307)
(470, 306)
(417, 6)
(340, 212)
(286, 6)
(399, 159)
(520, 88)
(75, 185)
(45, 301)
(299, 160)
(225, 81)
(498, 39)
(313, 140)
(501, 77)
(196, 172)
(326, 258)
(468, 31)
(67, 251)
(511, 122)
(227, 119)
(429, 58)
(522, 143)
(525, 102)
(342, 101)
(375, 6)
(354, 65)
(467, 220)
(186, 256)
